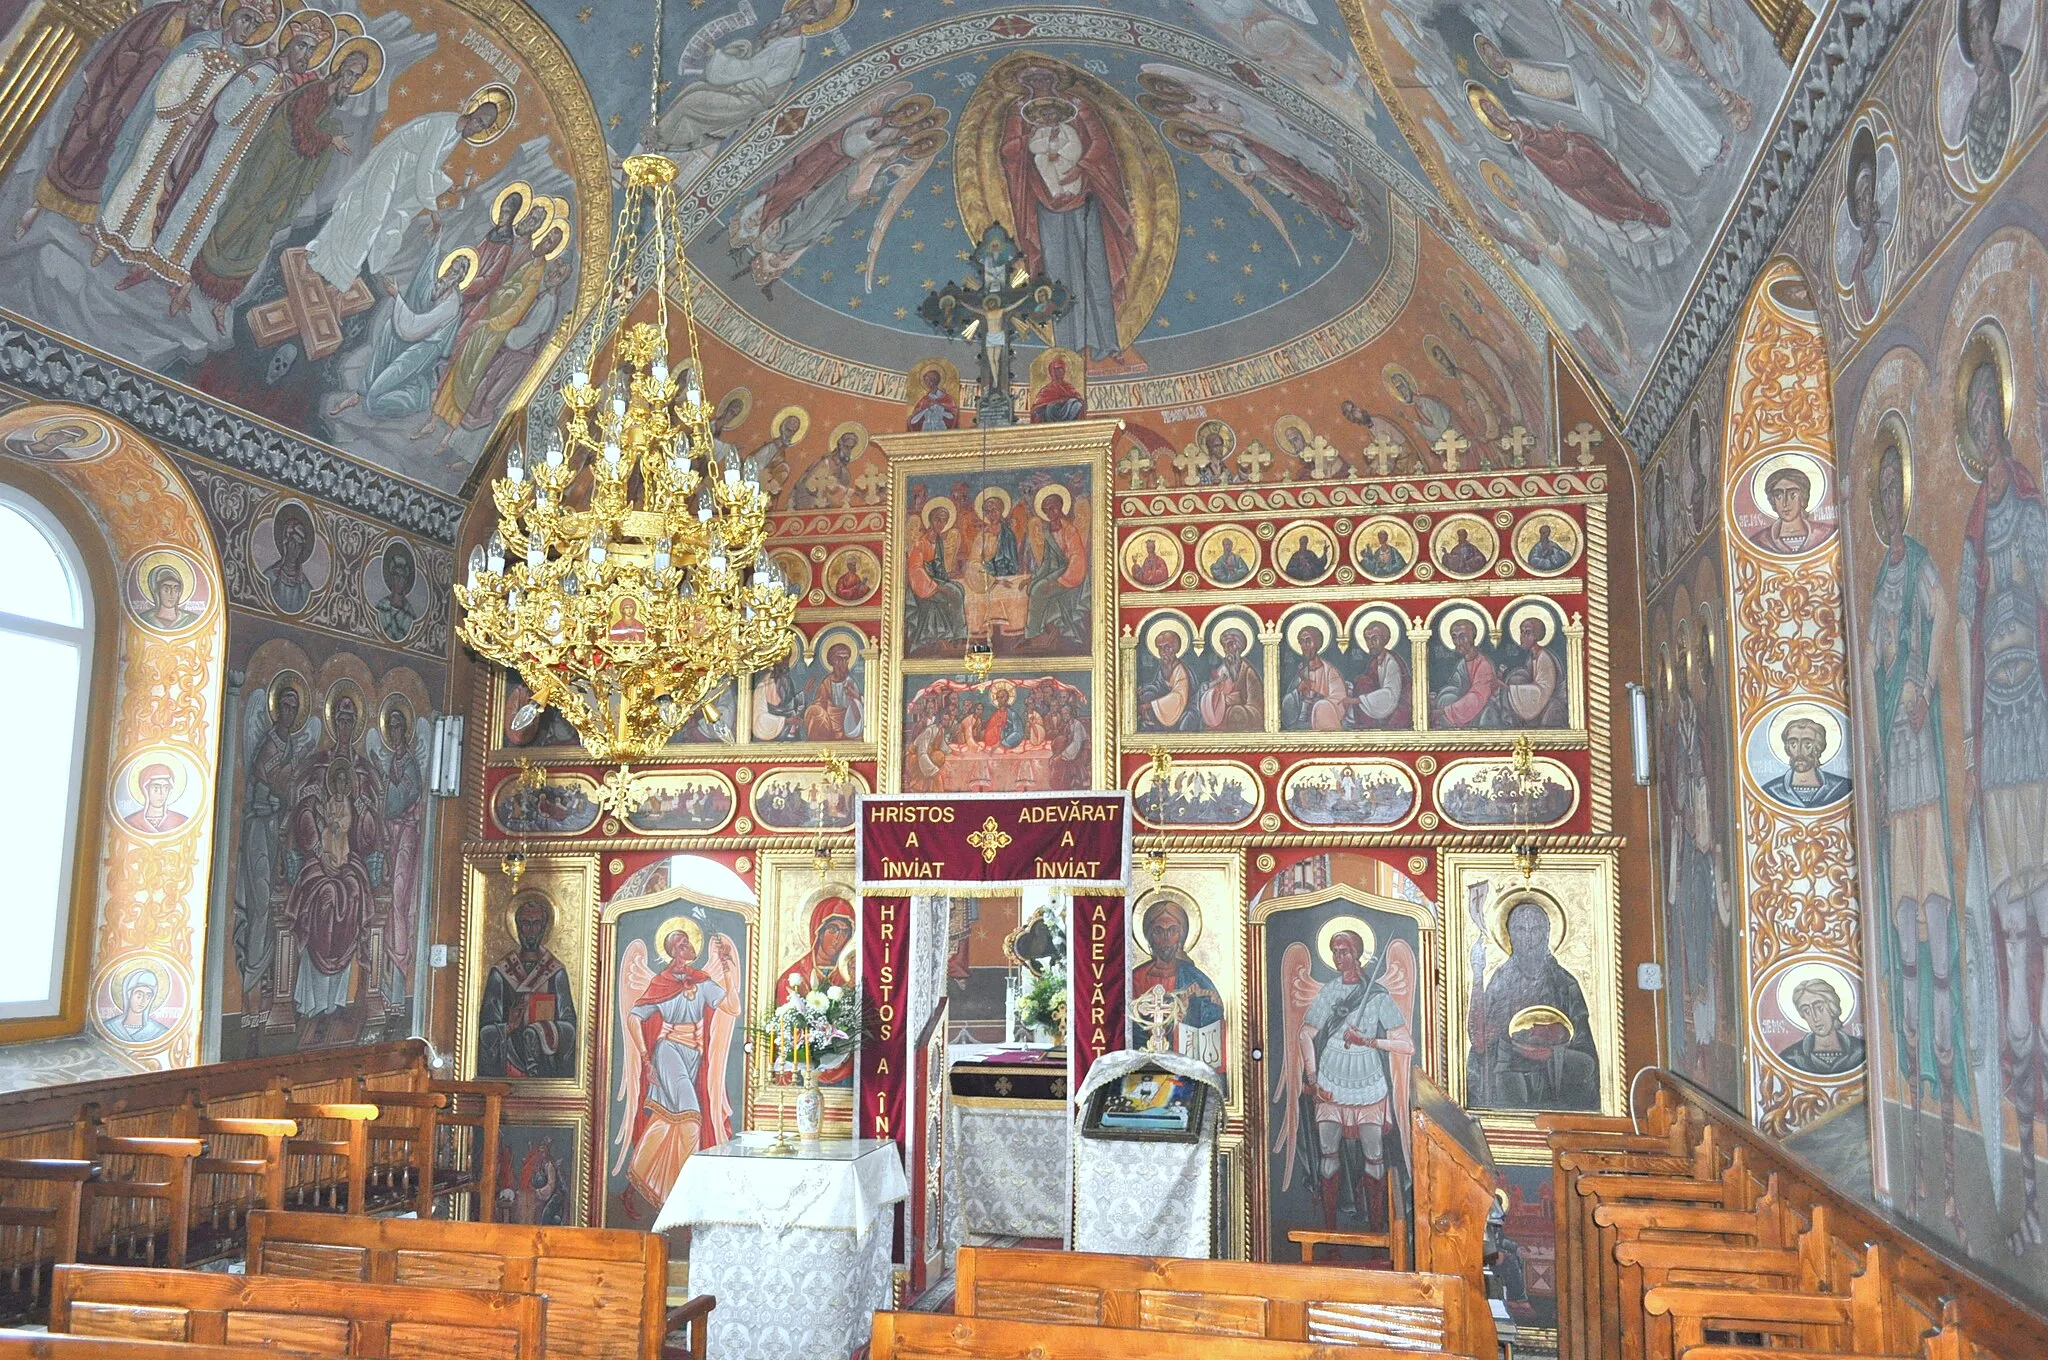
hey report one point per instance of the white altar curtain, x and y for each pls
(1146, 1199)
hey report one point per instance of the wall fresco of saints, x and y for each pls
(378, 263)
(328, 887)
(1003, 555)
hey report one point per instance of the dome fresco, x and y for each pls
(1276, 138)
(1217, 183)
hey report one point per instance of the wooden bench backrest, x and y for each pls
(1330, 1304)
(55, 1346)
(318, 1317)
(606, 1288)
(940, 1336)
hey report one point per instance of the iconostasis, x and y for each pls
(1339, 702)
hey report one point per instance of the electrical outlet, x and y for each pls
(437, 957)
(1650, 977)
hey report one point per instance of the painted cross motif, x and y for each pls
(1136, 465)
(871, 483)
(1451, 449)
(1584, 439)
(1254, 459)
(1190, 461)
(1516, 444)
(990, 839)
(1382, 451)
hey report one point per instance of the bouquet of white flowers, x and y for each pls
(813, 1028)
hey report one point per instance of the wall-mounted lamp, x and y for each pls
(1639, 730)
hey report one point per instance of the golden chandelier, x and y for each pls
(617, 580)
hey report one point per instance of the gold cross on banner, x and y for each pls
(989, 840)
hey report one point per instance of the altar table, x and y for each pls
(795, 1248)
(1009, 1141)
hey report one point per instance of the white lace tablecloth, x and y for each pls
(796, 1248)
(1010, 1169)
(1141, 1198)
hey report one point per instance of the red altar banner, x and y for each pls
(884, 984)
(1095, 1019)
(982, 842)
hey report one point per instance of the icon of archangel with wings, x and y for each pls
(1347, 1048)
(678, 1029)
(880, 148)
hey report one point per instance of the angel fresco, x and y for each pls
(1253, 149)
(1343, 1088)
(880, 148)
(1275, 35)
(678, 1028)
(737, 67)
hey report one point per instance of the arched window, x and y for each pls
(46, 657)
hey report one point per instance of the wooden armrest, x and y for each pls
(696, 1316)
(412, 1100)
(330, 1147)
(1593, 1142)
(47, 1169)
(356, 1112)
(251, 1127)
(473, 1088)
(1679, 1218)
(1691, 1256)
(22, 1216)
(1585, 1123)
(1310, 1239)
(231, 1166)
(149, 1147)
(1748, 1305)
(1752, 1353)
(1678, 1188)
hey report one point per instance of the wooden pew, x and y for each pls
(1731, 1207)
(1807, 1270)
(245, 1168)
(1584, 1251)
(1869, 1318)
(434, 1139)
(1328, 1304)
(318, 1316)
(330, 1167)
(1452, 1183)
(40, 1125)
(939, 1336)
(606, 1288)
(37, 1237)
(139, 1208)
(56, 1346)
(1659, 1140)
